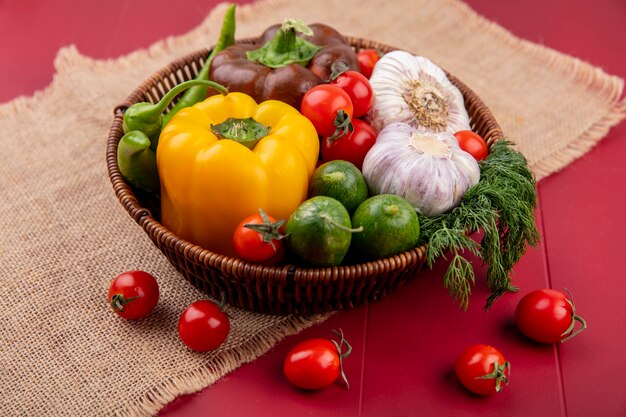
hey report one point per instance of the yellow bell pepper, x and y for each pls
(213, 174)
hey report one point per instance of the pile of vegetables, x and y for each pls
(299, 149)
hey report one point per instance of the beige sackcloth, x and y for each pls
(64, 235)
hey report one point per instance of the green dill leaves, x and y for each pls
(502, 206)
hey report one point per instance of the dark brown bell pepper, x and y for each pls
(236, 70)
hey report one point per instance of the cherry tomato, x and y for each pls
(203, 326)
(482, 369)
(358, 88)
(472, 143)
(258, 239)
(351, 148)
(316, 363)
(325, 104)
(133, 294)
(547, 316)
(367, 60)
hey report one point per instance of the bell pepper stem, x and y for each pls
(286, 48)
(286, 35)
(247, 132)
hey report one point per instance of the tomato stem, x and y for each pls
(337, 68)
(343, 125)
(270, 231)
(119, 302)
(222, 303)
(569, 332)
(498, 374)
(342, 354)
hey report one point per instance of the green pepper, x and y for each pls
(148, 118)
(136, 151)
(199, 93)
(137, 161)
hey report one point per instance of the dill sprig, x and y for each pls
(501, 205)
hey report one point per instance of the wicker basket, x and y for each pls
(284, 289)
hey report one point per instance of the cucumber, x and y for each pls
(390, 226)
(340, 180)
(319, 231)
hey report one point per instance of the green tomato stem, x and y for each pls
(342, 354)
(270, 231)
(343, 126)
(569, 332)
(498, 374)
(119, 302)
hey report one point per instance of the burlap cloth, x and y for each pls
(64, 235)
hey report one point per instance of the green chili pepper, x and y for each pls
(286, 48)
(137, 161)
(199, 93)
(136, 151)
(148, 118)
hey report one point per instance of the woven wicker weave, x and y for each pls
(285, 289)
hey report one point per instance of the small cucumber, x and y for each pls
(319, 231)
(390, 226)
(340, 180)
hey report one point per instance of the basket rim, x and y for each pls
(235, 266)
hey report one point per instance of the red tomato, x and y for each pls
(547, 316)
(316, 363)
(325, 105)
(367, 60)
(203, 326)
(472, 143)
(351, 148)
(133, 294)
(258, 239)
(482, 369)
(358, 88)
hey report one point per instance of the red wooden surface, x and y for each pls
(404, 346)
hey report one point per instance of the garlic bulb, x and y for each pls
(412, 89)
(428, 169)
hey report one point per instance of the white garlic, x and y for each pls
(413, 90)
(426, 168)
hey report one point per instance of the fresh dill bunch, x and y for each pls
(502, 206)
(459, 277)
